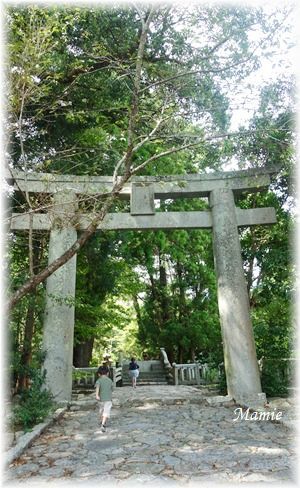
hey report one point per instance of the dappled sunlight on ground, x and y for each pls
(158, 443)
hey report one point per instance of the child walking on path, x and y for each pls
(133, 371)
(104, 388)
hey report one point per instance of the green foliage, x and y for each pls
(273, 329)
(35, 403)
(120, 339)
(71, 72)
(212, 375)
(275, 377)
(179, 309)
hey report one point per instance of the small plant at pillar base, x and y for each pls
(35, 403)
(212, 375)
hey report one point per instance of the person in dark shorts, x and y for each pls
(133, 371)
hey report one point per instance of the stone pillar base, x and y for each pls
(251, 400)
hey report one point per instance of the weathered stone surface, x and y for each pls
(8, 440)
(26, 468)
(160, 220)
(65, 463)
(55, 472)
(242, 374)
(171, 460)
(19, 434)
(164, 186)
(60, 455)
(217, 400)
(58, 331)
(142, 199)
(144, 468)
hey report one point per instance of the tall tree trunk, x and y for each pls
(26, 355)
(182, 307)
(182, 301)
(82, 354)
(27, 345)
(164, 299)
(170, 353)
(192, 355)
(180, 354)
(157, 312)
(165, 303)
(137, 309)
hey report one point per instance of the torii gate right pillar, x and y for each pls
(241, 367)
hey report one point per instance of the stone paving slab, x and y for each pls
(165, 394)
(151, 441)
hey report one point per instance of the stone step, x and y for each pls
(145, 383)
(154, 371)
(147, 373)
(83, 391)
(144, 377)
(155, 367)
(152, 376)
(148, 380)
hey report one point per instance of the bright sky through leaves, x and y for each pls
(280, 65)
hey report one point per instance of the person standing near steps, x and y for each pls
(133, 371)
(104, 388)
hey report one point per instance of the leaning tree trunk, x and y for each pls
(26, 355)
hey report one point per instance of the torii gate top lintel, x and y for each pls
(164, 187)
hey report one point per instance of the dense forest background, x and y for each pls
(72, 101)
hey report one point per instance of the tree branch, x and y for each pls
(127, 158)
(181, 148)
(34, 281)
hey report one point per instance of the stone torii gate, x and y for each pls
(63, 221)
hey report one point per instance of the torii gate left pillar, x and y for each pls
(58, 333)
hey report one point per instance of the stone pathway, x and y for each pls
(157, 436)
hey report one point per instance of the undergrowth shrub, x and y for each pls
(35, 403)
(276, 377)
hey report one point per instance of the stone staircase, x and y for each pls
(152, 375)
